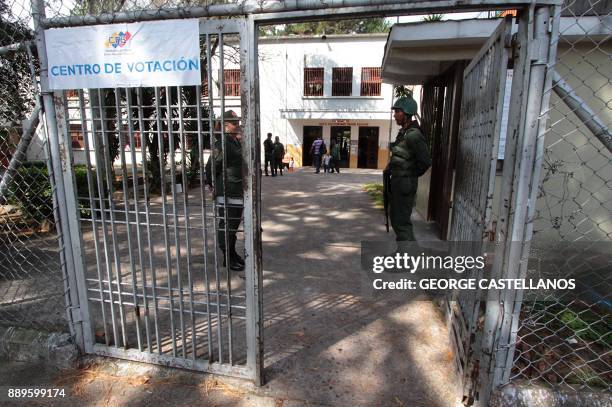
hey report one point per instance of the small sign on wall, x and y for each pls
(158, 53)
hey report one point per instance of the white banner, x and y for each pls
(160, 53)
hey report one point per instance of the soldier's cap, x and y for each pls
(406, 104)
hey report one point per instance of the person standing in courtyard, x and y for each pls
(232, 197)
(317, 150)
(335, 158)
(268, 154)
(409, 160)
(279, 153)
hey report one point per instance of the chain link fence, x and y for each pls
(565, 341)
(31, 284)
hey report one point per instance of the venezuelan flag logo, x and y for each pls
(118, 39)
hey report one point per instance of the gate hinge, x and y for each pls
(76, 315)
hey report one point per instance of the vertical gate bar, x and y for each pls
(135, 184)
(555, 12)
(77, 278)
(213, 181)
(252, 221)
(92, 207)
(225, 214)
(93, 95)
(126, 209)
(143, 157)
(109, 180)
(527, 184)
(203, 207)
(38, 14)
(56, 215)
(162, 176)
(175, 216)
(186, 212)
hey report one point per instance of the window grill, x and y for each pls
(313, 81)
(342, 81)
(76, 135)
(231, 82)
(370, 81)
(126, 139)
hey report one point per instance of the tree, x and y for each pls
(402, 91)
(362, 26)
(15, 78)
(16, 87)
(433, 17)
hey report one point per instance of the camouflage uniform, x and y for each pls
(234, 195)
(409, 160)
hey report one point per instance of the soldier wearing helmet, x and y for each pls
(409, 160)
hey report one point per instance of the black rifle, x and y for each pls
(386, 191)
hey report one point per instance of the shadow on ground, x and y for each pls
(327, 340)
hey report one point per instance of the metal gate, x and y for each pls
(145, 230)
(484, 81)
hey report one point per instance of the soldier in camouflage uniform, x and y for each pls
(233, 197)
(409, 160)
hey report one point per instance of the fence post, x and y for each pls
(63, 180)
(252, 218)
(537, 42)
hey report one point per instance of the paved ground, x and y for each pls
(326, 341)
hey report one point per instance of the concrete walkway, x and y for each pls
(327, 341)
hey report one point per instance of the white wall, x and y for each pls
(281, 69)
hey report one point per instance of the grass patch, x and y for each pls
(376, 192)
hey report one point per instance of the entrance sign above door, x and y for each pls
(159, 53)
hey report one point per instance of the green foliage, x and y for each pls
(433, 17)
(587, 326)
(15, 78)
(376, 192)
(403, 91)
(80, 176)
(31, 192)
(362, 26)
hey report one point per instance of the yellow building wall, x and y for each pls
(296, 153)
(383, 156)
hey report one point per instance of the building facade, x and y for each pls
(309, 86)
(327, 86)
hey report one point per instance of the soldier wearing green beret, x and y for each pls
(232, 197)
(409, 160)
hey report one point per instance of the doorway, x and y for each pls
(368, 148)
(311, 133)
(341, 135)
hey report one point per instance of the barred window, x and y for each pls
(231, 82)
(370, 81)
(76, 135)
(137, 139)
(342, 81)
(72, 94)
(313, 81)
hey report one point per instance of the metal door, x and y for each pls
(479, 133)
(145, 229)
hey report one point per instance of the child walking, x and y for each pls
(291, 165)
(326, 163)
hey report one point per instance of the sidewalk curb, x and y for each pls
(533, 395)
(27, 345)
